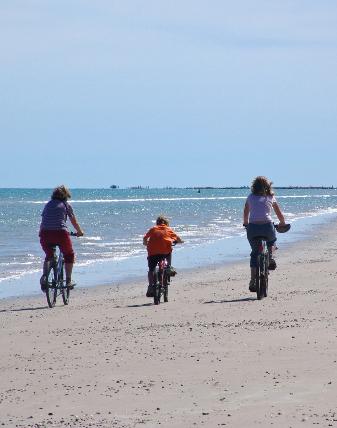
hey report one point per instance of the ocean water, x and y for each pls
(115, 220)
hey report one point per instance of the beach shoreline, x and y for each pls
(134, 270)
(212, 356)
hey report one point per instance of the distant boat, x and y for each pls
(114, 186)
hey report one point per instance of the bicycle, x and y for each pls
(56, 284)
(263, 261)
(162, 277)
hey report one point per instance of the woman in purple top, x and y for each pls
(258, 221)
(54, 231)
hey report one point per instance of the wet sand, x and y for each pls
(213, 356)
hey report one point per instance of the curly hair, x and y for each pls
(162, 220)
(262, 186)
(61, 193)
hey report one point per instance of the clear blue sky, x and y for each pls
(157, 93)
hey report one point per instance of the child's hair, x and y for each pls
(262, 186)
(162, 220)
(61, 193)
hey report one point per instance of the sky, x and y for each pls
(178, 93)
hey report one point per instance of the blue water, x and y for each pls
(115, 220)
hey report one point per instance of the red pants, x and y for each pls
(61, 238)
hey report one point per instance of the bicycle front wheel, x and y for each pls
(51, 291)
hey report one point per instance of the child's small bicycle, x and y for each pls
(162, 276)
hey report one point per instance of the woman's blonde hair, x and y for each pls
(61, 193)
(162, 220)
(262, 186)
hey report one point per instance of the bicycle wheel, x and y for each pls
(51, 291)
(266, 275)
(157, 293)
(157, 289)
(165, 286)
(65, 291)
(258, 278)
(263, 275)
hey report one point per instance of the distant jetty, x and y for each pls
(247, 187)
(199, 188)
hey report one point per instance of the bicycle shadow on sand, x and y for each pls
(24, 309)
(140, 305)
(244, 299)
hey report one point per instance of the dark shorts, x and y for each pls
(61, 238)
(254, 230)
(152, 261)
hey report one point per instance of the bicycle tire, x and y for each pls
(266, 274)
(157, 288)
(51, 290)
(157, 292)
(65, 291)
(258, 278)
(165, 287)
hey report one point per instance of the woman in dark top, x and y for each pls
(54, 231)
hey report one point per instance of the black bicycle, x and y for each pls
(162, 277)
(56, 283)
(263, 262)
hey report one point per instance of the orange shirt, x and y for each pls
(159, 240)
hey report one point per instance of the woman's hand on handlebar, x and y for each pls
(78, 233)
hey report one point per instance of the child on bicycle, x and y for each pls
(159, 241)
(258, 222)
(53, 231)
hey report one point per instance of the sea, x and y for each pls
(115, 220)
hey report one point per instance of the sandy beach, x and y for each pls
(213, 356)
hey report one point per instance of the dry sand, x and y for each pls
(213, 356)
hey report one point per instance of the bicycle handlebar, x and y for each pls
(176, 242)
(279, 228)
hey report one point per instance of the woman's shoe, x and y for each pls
(150, 291)
(252, 286)
(70, 284)
(43, 283)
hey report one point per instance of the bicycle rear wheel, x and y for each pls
(157, 293)
(266, 275)
(263, 275)
(65, 291)
(165, 286)
(258, 279)
(157, 288)
(51, 290)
